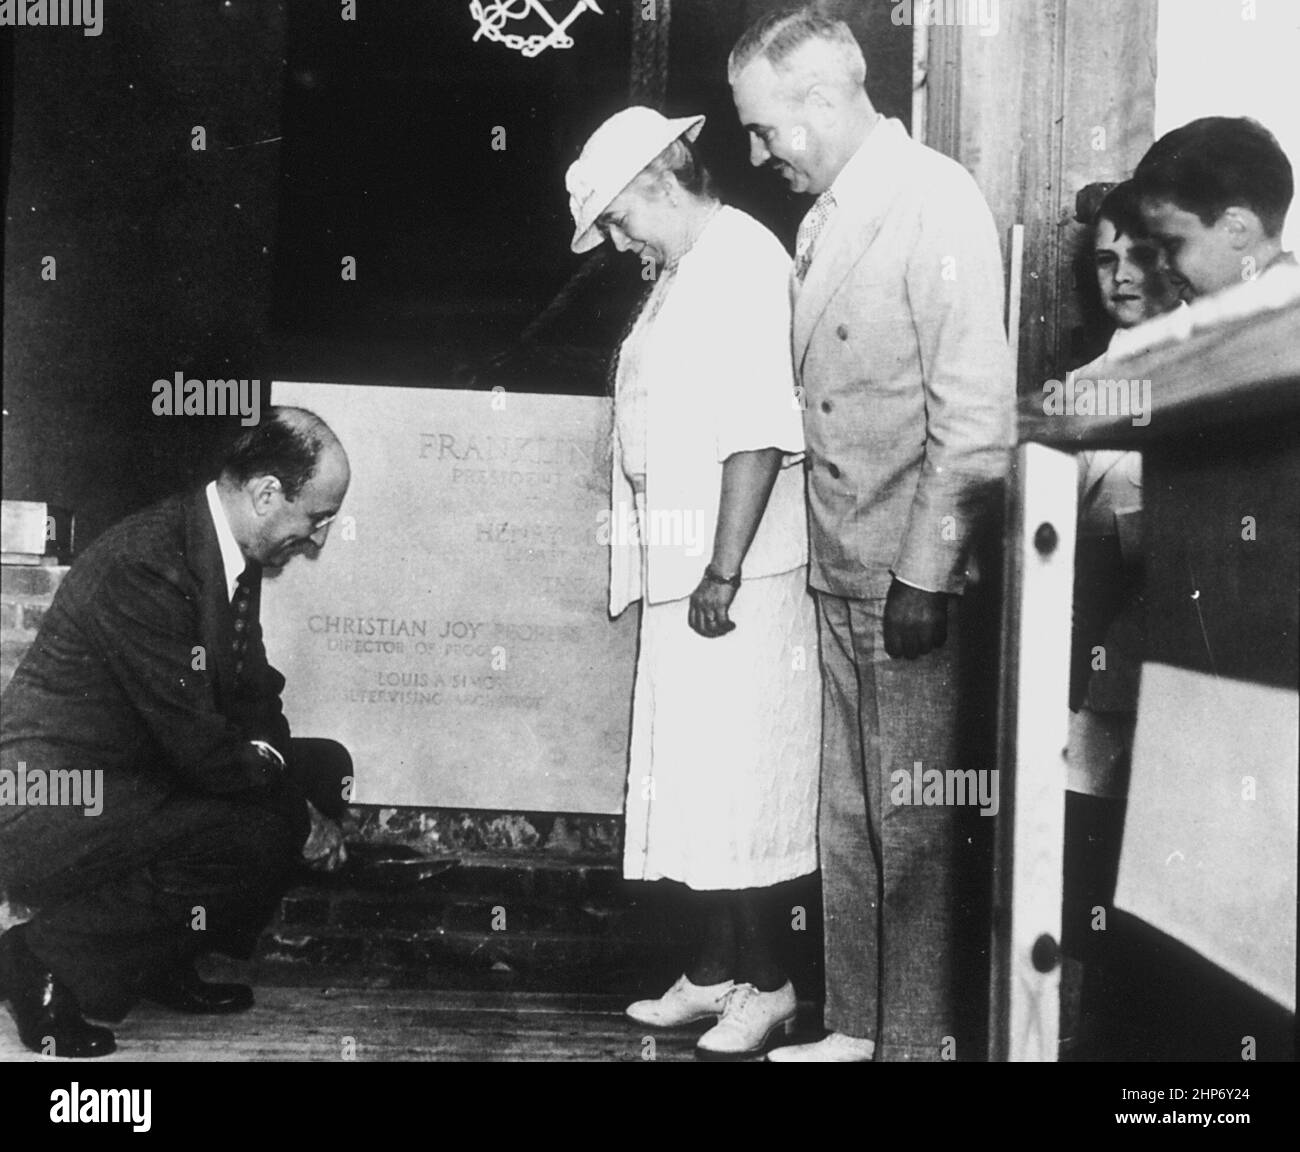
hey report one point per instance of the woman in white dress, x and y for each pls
(707, 484)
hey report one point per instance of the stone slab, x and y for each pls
(453, 632)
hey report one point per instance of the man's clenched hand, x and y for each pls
(916, 622)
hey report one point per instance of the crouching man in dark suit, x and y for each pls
(149, 685)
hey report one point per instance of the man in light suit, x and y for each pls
(149, 680)
(907, 387)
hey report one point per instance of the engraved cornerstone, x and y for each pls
(454, 633)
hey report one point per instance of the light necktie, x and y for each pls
(811, 227)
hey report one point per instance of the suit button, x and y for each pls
(826, 405)
(835, 472)
(240, 625)
(842, 331)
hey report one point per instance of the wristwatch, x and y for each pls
(714, 578)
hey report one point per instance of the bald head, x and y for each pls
(288, 443)
(282, 485)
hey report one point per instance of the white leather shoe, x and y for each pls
(834, 1049)
(683, 1003)
(748, 1021)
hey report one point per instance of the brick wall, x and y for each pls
(25, 594)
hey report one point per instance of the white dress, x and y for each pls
(724, 752)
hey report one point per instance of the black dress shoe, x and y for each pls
(181, 990)
(49, 1020)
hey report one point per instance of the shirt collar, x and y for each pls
(232, 558)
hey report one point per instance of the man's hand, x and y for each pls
(324, 850)
(916, 622)
(708, 611)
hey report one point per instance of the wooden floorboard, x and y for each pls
(326, 1024)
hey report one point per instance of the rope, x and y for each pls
(493, 18)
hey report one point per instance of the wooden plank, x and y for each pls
(1008, 137)
(1244, 370)
(1034, 707)
(379, 1025)
(1107, 122)
(1081, 109)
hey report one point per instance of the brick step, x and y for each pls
(505, 923)
(466, 961)
(491, 901)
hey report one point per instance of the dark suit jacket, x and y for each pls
(132, 674)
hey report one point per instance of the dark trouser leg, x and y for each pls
(196, 874)
(1094, 828)
(322, 771)
(193, 874)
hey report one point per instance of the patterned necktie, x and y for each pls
(245, 618)
(809, 230)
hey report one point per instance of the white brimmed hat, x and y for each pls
(612, 158)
